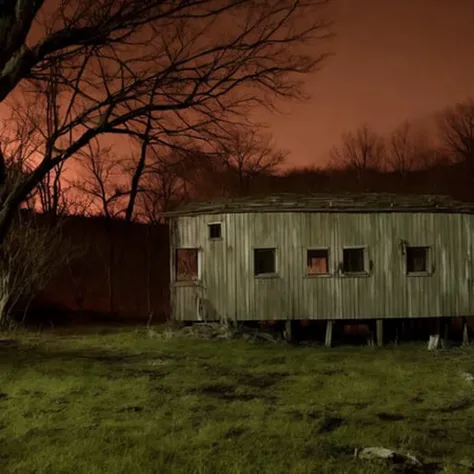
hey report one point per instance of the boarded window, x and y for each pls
(264, 261)
(215, 231)
(186, 264)
(317, 262)
(353, 260)
(417, 259)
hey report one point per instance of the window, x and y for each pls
(186, 264)
(317, 262)
(417, 259)
(354, 260)
(215, 231)
(264, 261)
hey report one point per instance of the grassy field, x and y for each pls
(131, 401)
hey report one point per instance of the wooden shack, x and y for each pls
(322, 257)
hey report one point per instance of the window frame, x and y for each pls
(318, 275)
(274, 274)
(367, 270)
(429, 261)
(194, 281)
(209, 224)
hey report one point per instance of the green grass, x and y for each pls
(125, 402)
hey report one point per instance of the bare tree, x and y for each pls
(29, 259)
(361, 151)
(248, 154)
(404, 149)
(186, 64)
(99, 176)
(456, 127)
(163, 185)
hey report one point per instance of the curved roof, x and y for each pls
(368, 202)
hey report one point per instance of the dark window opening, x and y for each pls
(264, 261)
(353, 260)
(417, 259)
(215, 231)
(186, 264)
(317, 262)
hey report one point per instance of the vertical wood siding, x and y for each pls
(228, 288)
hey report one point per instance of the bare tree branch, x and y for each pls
(179, 69)
(456, 127)
(360, 151)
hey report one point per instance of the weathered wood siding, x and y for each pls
(229, 289)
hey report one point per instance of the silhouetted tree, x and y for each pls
(186, 64)
(361, 151)
(456, 127)
(403, 149)
(246, 155)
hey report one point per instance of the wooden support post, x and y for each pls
(465, 334)
(379, 331)
(288, 330)
(329, 325)
(397, 332)
(446, 323)
(434, 341)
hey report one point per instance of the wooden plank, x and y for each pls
(328, 339)
(379, 331)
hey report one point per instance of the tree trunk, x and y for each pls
(4, 298)
(110, 269)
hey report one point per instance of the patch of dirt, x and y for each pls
(329, 423)
(427, 468)
(170, 357)
(332, 372)
(364, 422)
(235, 432)
(458, 405)
(301, 415)
(437, 433)
(224, 392)
(358, 405)
(262, 380)
(219, 370)
(32, 393)
(338, 451)
(130, 409)
(152, 374)
(162, 389)
(418, 398)
(389, 416)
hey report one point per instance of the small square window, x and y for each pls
(317, 262)
(417, 259)
(354, 260)
(186, 264)
(264, 261)
(215, 231)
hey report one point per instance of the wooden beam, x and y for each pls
(379, 330)
(328, 341)
(288, 330)
(465, 334)
(445, 323)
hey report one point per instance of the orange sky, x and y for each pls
(394, 60)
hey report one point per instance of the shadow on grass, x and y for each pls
(112, 364)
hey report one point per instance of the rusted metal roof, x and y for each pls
(289, 202)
